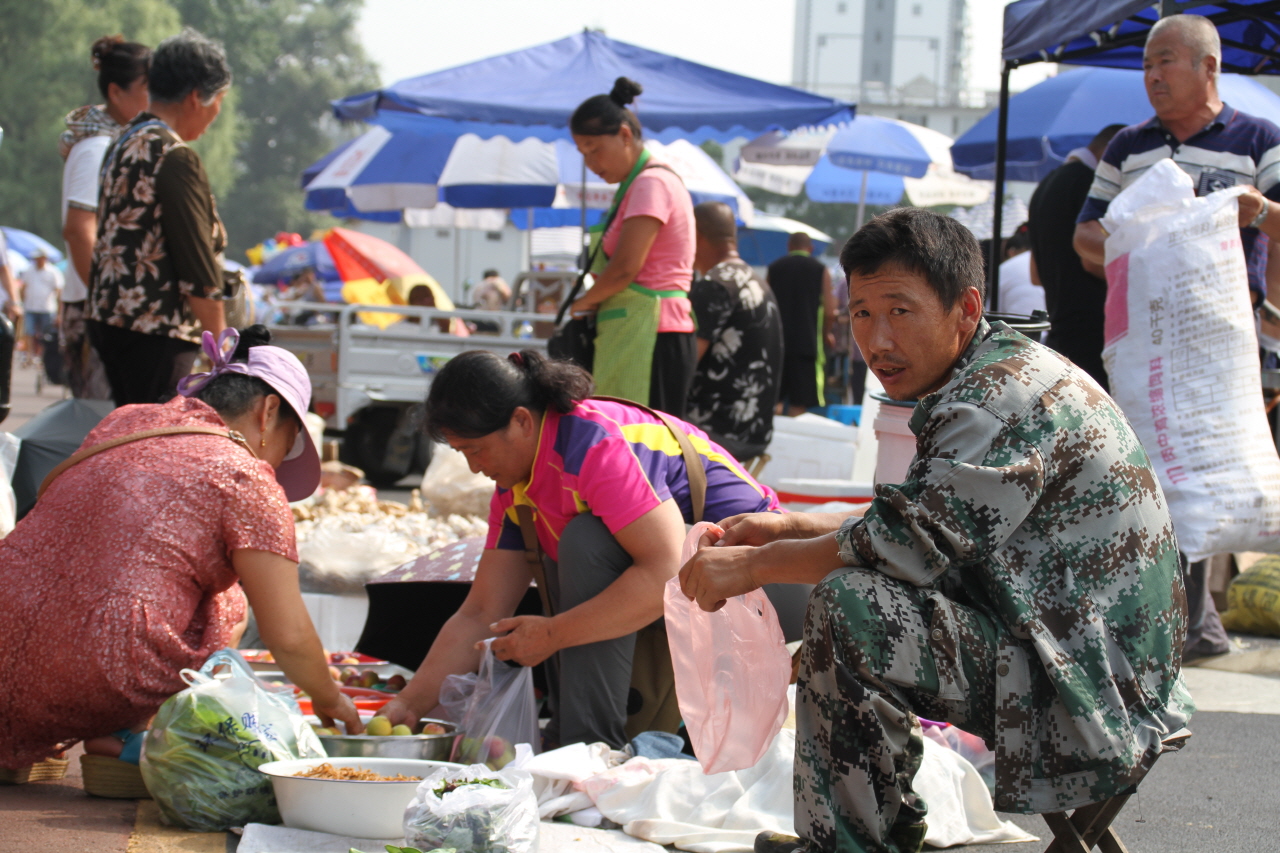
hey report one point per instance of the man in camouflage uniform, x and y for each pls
(1022, 583)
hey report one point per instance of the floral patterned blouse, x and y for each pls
(159, 236)
(121, 576)
(736, 382)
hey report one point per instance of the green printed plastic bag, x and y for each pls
(201, 755)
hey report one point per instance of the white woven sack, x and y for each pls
(1182, 358)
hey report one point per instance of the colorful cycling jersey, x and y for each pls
(617, 462)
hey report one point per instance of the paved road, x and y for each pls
(24, 402)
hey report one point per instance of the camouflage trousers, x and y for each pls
(878, 651)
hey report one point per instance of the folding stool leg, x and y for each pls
(1066, 838)
(1086, 827)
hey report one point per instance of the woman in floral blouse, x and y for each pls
(156, 278)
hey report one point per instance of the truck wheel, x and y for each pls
(366, 442)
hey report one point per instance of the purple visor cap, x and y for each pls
(299, 474)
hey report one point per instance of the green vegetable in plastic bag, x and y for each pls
(200, 759)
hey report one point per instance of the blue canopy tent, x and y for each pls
(1112, 33)
(533, 92)
(1062, 113)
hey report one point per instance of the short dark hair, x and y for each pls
(233, 394)
(185, 63)
(604, 115)
(477, 392)
(119, 61)
(921, 241)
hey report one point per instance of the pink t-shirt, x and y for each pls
(617, 462)
(669, 266)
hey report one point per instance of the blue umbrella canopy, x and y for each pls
(884, 145)
(533, 92)
(288, 263)
(25, 243)
(1113, 32)
(1064, 112)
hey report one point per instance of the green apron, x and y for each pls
(627, 323)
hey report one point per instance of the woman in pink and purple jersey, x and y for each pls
(610, 498)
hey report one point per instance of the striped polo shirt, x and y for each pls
(617, 462)
(1235, 148)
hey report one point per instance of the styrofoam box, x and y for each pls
(809, 447)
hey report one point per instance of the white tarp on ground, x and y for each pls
(671, 801)
(259, 838)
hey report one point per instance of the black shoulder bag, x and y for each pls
(575, 340)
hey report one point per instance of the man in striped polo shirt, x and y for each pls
(1216, 145)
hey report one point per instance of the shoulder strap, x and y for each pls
(85, 453)
(591, 257)
(533, 555)
(692, 459)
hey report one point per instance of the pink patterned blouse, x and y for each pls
(121, 576)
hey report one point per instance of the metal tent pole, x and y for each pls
(582, 215)
(529, 239)
(1002, 145)
(862, 201)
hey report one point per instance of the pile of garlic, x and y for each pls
(353, 536)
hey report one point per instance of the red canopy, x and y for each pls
(358, 256)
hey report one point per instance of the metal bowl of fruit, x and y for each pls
(429, 740)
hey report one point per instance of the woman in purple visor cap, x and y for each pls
(136, 561)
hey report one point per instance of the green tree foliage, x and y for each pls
(44, 51)
(289, 58)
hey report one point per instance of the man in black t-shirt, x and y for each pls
(802, 286)
(1075, 293)
(735, 385)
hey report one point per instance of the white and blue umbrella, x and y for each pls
(26, 244)
(766, 239)
(870, 160)
(390, 172)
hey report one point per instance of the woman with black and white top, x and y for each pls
(122, 79)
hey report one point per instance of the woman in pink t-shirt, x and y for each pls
(645, 345)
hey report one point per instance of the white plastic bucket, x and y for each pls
(897, 444)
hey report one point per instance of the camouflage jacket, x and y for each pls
(1031, 499)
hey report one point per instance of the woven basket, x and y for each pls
(112, 778)
(41, 771)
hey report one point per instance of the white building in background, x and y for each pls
(897, 58)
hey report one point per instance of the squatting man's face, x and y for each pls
(909, 340)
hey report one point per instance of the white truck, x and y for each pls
(369, 382)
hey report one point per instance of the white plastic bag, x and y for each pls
(494, 708)
(200, 759)
(731, 669)
(450, 487)
(1182, 358)
(9, 446)
(475, 809)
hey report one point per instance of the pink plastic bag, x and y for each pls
(732, 670)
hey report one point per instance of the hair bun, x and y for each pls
(256, 335)
(625, 91)
(103, 47)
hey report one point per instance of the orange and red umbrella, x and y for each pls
(359, 256)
